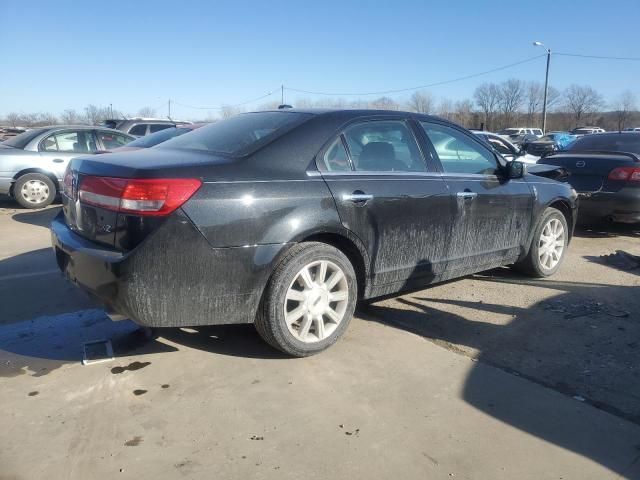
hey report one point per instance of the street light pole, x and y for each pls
(546, 87)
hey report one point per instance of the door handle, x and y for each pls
(357, 197)
(58, 160)
(467, 195)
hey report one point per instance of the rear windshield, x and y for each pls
(158, 137)
(620, 142)
(238, 135)
(20, 141)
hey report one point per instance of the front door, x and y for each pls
(388, 197)
(493, 214)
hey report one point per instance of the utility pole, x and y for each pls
(546, 87)
(111, 110)
(282, 94)
(169, 114)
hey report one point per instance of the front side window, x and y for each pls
(111, 140)
(138, 130)
(73, 142)
(458, 153)
(383, 146)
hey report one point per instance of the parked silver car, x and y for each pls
(32, 164)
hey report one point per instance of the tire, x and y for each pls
(536, 264)
(290, 292)
(34, 190)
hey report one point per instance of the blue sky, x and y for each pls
(67, 54)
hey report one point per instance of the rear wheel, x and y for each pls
(309, 300)
(548, 247)
(34, 190)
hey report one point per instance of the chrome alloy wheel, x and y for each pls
(316, 301)
(551, 244)
(35, 191)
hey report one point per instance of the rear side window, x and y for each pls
(139, 130)
(74, 142)
(383, 146)
(458, 153)
(239, 135)
(336, 159)
(156, 127)
(619, 142)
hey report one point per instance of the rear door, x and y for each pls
(492, 215)
(60, 147)
(388, 197)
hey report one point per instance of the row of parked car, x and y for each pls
(32, 163)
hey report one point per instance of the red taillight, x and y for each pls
(625, 174)
(154, 196)
(67, 181)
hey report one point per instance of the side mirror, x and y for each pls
(516, 169)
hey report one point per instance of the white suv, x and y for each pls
(521, 131)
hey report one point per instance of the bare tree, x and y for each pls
(582, 101)
(463, 112)
(71, 117)
(554, 96)
(14, 118)
(96, 115)
(445, 109)
(384, 103)
(511, 98)
(534, 98)
(422, 102)
(623, 106)
(147, 112)
(487, 96)
(227, 111)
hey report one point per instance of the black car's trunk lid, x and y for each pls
(589, 171)
(98, 214)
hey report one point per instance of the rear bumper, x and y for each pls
(622, 206)
(173, 278)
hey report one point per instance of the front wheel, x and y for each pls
(309, 300)
(548, 247)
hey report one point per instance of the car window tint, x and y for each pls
(76, 142)
(383, 146)
(139, 130)
(156, 127)
(335, 158)
(458, 153)
(112, 139)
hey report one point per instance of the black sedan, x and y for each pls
(605, 170)
(285, 219)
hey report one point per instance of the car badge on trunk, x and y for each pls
(580, 163)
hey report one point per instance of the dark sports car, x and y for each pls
(285, 219)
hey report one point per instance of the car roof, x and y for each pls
(353, 113)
